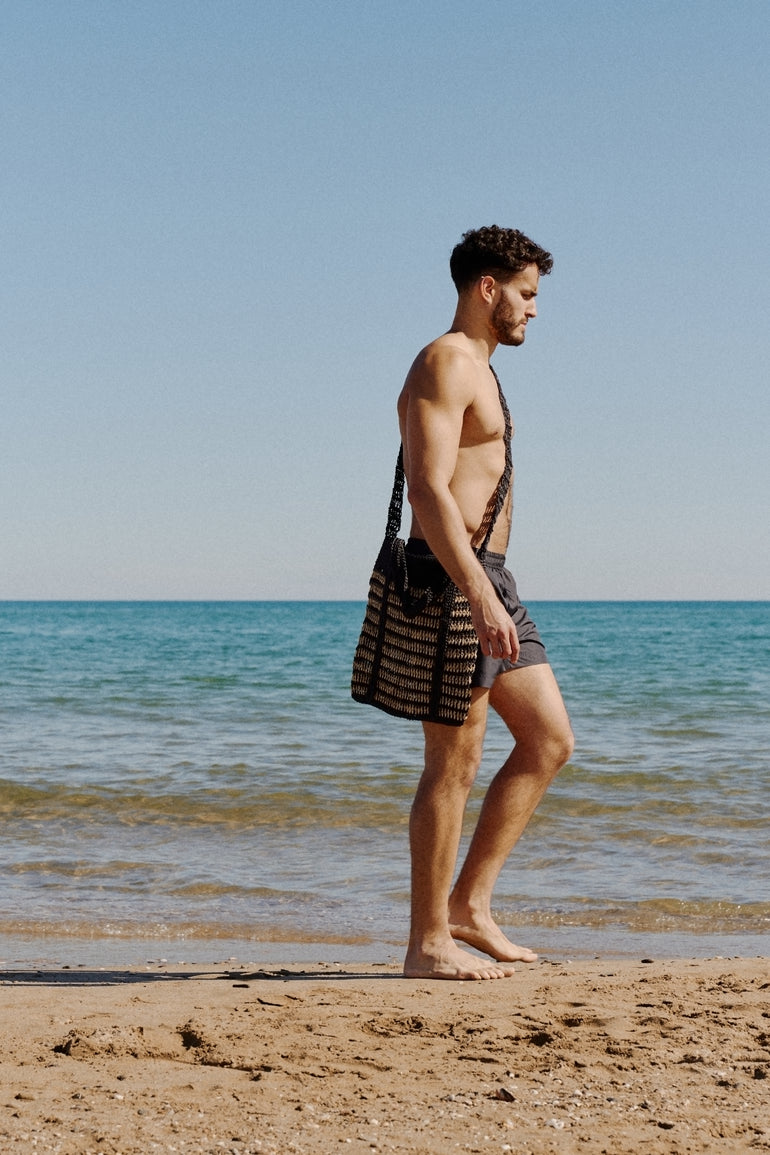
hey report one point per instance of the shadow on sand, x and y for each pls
(112, 977)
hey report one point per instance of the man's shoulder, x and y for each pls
(445, 365)
(449, 351)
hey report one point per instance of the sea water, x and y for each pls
(194, 778)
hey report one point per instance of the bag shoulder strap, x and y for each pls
(396, 499)
(496, 501)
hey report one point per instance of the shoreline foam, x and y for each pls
(50, 949)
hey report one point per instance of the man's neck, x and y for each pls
(481, 342)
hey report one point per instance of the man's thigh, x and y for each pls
(529, 701)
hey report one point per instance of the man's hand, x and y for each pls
(496, 632)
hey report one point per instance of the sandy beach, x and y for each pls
(596, 1056)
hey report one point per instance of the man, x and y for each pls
(453, 432)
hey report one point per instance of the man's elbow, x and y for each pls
(424, 498)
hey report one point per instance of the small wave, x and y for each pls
(656, 916)
(244, 807)
(686, 733)
(179, 931)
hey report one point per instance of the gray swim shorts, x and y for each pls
(532, 652)
(424, 570)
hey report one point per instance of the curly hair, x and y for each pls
(495, 251)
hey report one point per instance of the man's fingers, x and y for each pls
(497, 635)
(502, 646)
(496, 646)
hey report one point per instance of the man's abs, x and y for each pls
(472, 503)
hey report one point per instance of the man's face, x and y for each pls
(515, 305)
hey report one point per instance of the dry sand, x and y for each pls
(612, 1057)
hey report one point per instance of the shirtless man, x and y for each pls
(452, 428)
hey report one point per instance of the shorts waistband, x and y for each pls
(419, 547)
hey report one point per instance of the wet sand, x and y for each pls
(601, 1056)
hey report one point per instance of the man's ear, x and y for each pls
(486, 287)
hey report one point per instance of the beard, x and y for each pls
(507, 328)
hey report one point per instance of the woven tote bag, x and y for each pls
(417, 650)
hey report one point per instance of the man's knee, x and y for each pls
(548, 747)
(458, 765)
(561, 744)
(453, 754)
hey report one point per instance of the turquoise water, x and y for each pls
(194, 777)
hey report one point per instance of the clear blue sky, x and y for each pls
(225, 235)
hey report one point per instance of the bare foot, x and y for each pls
(487, 937)
(450, 962)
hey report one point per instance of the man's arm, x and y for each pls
(440, 389)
